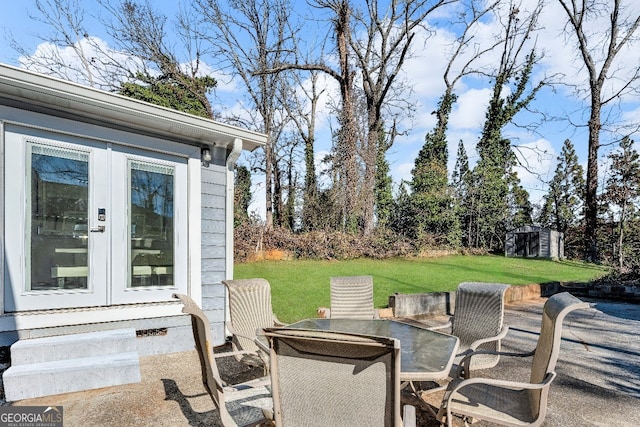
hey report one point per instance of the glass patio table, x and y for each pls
(425, 355)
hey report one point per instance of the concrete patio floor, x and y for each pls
(598, 380)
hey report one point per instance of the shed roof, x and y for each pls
(529, 228)
(36, 92)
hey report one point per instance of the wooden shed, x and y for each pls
(532, 241)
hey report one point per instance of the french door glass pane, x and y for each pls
(59, 206)
(151, 208)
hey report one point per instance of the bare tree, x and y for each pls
(141, 54)
(599, 46)
(140, 30)
(302, 107)
(248, 36)
(374, 42)
(345, 160)
(345, 166)
(387, 30)
(68, 51)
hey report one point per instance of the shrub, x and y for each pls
(251, 238)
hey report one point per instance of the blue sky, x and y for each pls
(423, 71)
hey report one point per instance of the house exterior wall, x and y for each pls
(213, 240)
(146, 318)
(39, 102)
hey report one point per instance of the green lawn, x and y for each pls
(299, 287)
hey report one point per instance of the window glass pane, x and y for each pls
(59, 206)
(151, 207)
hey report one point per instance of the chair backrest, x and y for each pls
(479, 314)
(321, 378)
(548, 347)
(250, 309)
(352, 297)
(204, 344)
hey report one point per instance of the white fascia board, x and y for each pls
(69, 98)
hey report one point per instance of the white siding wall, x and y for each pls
(213, 247)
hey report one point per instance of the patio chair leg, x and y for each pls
(419, 394)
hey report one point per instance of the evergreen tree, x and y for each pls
(520, 207)
(241, 195)
(431, 195)
(461, 181)
(623, 188)
(402, 217)
(494, 174)
(170, 91)
(563, 204)
(382, 191)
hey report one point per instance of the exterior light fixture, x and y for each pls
(205, 155)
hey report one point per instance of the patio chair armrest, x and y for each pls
(463, 367)
(474, 345)
(438, 327)
(268, 413)
(513, 385)
(409, 416)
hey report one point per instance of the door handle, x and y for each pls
(98, 229)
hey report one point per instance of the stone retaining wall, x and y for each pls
(438, 303)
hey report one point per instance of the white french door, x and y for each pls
(149, 226)
(101, 224)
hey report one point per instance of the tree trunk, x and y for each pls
(591, 197)
(268, 180)
(348, 134)
(620, 234)
(370, 154)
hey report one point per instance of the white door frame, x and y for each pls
(104, 291)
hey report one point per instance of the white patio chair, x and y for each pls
(478, 321)
(322, 378)
(511, 403)
(352, 298)
(240, 405)
(250, 311)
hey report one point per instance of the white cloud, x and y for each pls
(424, 69)
(402, 172)
(226, 83)
(89, 61)
(470, 110)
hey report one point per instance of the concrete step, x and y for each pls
(74, 362)
(69, 375)
(73, 346)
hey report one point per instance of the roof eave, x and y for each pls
(85, 102)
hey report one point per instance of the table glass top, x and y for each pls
(423, 351)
